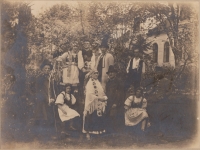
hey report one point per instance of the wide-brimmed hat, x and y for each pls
(46, 62)
(104, 44)
(65, 84)
(158, 68)
(130, 53)
(111, 69)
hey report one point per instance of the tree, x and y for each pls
(169, 16)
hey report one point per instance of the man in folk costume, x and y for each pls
(85, 57)
(86, 62)
(44, 110)
(114, 92)
(103, 62)
(134, 70)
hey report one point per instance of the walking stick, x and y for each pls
(55, 124)
(51, 75)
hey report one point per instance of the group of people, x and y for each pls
(83, 87)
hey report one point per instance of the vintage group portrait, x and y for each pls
(99, 74)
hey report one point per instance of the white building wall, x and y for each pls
(160, 40)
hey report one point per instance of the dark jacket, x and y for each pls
(44, 91)
(114, 92)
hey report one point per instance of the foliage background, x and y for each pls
(27, 40)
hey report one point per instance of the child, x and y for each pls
(135, 110)
(65, 102)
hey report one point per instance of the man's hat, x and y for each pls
(111, 69)
(104, 43)
(158, 68)
(65, 84)
(85, 39)
(46, 62)
(130, 53)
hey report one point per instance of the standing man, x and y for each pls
(115, 94)
(103, 62)
(86, 62)
(44, 109)
(134, 70)
(85, 57)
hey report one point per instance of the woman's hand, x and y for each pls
(85, 113)
(114, 105)
(126, 107)
(64, 112)
(101, 99)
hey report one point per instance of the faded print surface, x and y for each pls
(85, 74)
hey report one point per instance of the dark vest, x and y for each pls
(99, 68)
(134, 105)
(87, 55)
(68, 103)
(131, 65)
(74, 58)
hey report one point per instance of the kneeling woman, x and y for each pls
(65, 102)
(135, 110)
(95, 103)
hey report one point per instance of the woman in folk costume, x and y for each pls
(135, 110)
(134, 70)
(95, 104)
(103, 62)
(65, 102)
(70, 66)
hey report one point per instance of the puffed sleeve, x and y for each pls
(144, 103)
(80, 60)
(60, 99)
(128, 101)
(62, 57)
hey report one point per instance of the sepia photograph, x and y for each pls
(81, 74)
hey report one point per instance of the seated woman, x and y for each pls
(65, 102)
(95, 103)
(135, 110)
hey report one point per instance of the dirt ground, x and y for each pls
(179, 132)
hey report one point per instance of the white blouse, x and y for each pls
(135, 64)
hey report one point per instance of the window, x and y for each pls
(166, 52)
(155, 52)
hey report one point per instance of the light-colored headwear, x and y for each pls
(89, 74)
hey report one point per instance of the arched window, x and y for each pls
(155, 52)
(166, 52)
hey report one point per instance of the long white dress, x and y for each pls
(71, 113)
